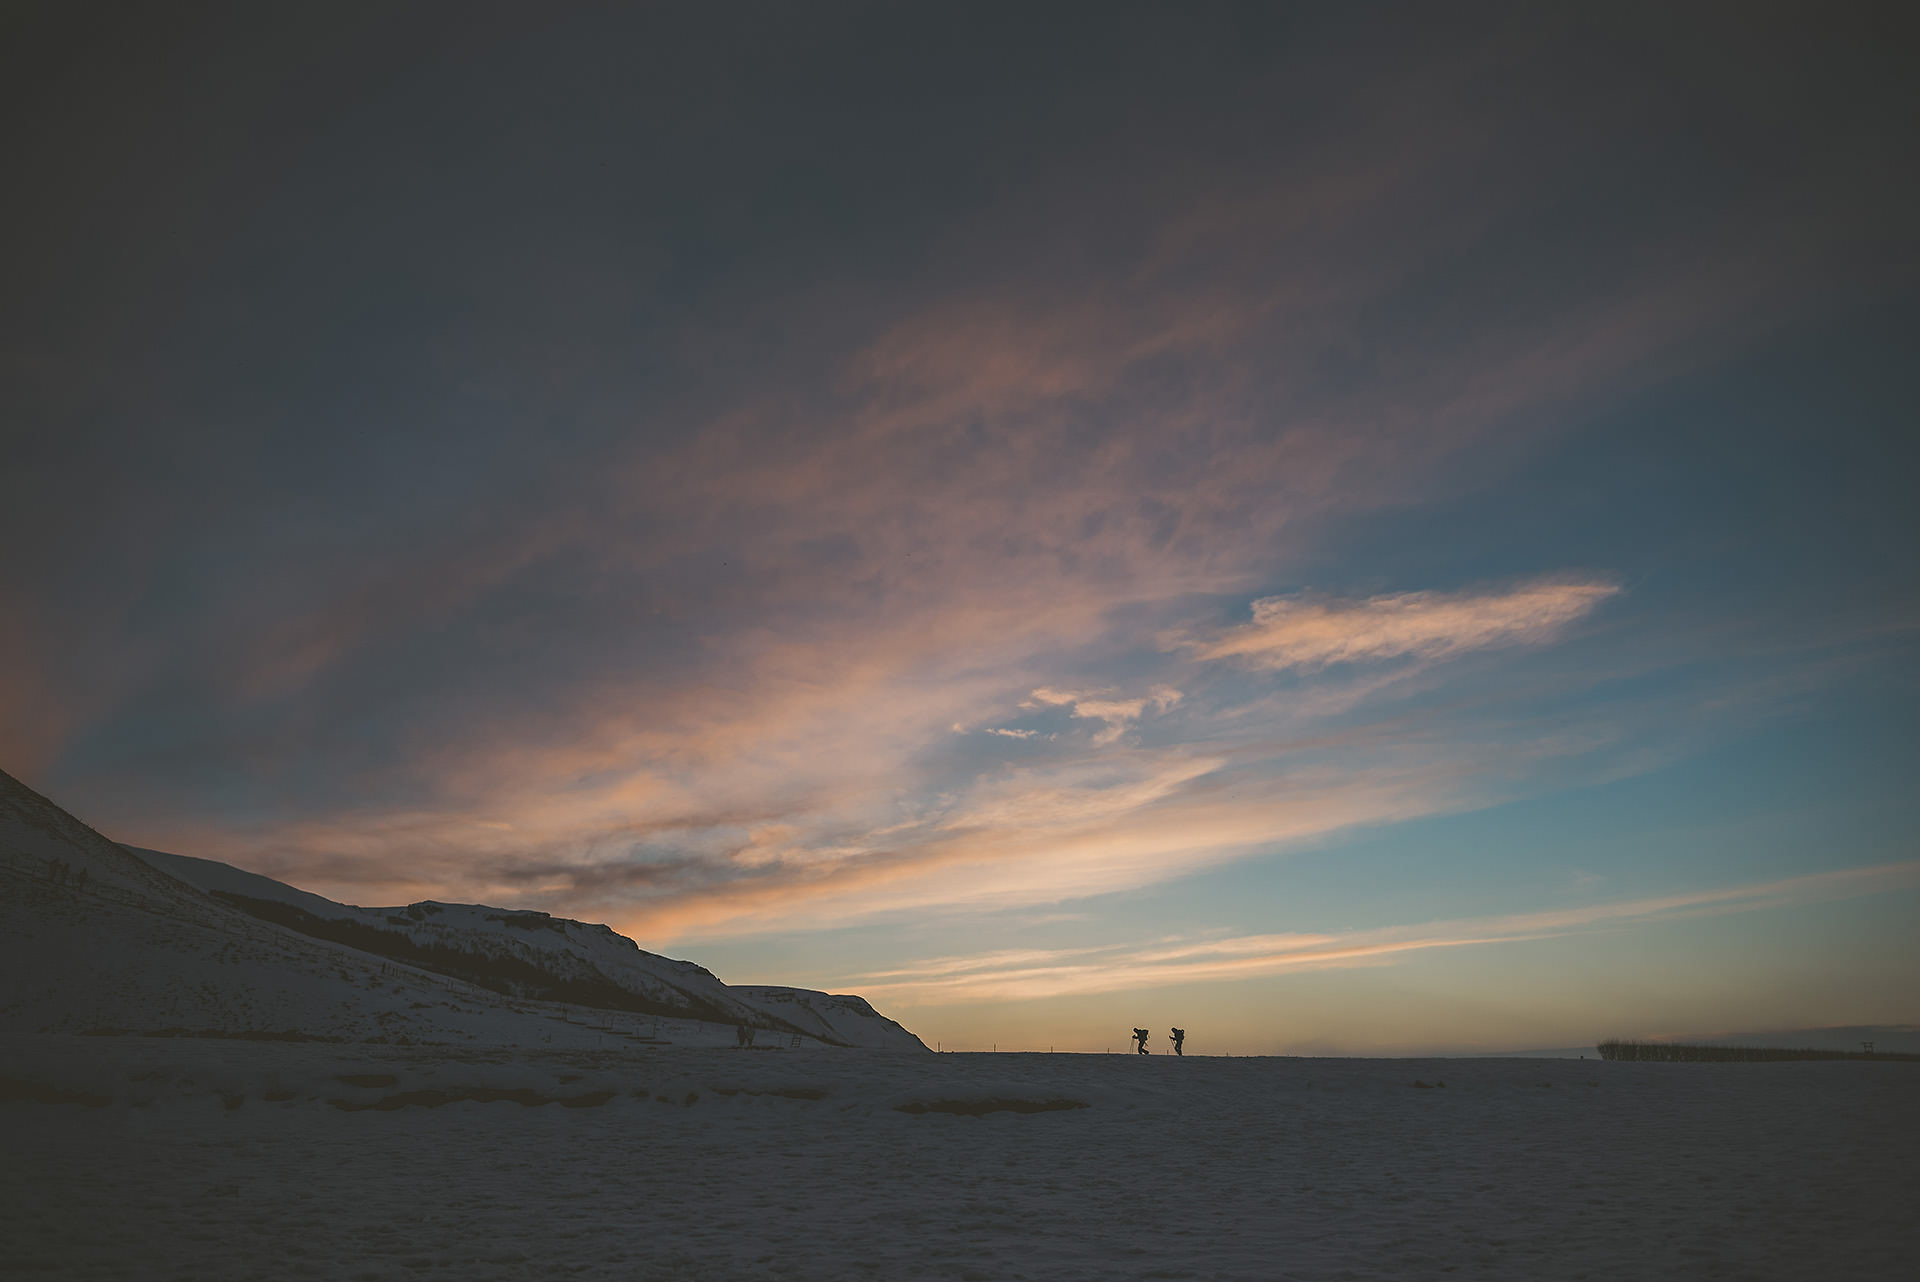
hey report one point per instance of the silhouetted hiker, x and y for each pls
(1140, 1035)
(740, 1035)
(1179, 1040)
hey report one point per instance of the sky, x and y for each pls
(1346, 528)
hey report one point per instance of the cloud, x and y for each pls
(669, 828)
(1116, 713)
(1310, 632)
(1039, 973)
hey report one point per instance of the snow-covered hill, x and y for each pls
(97, 936)
(534, 955)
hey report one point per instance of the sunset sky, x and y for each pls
(1344, 528)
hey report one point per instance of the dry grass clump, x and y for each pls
(981, 1107)
(485, 1095)
(14, 1088)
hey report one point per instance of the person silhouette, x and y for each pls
(1140, 1035)
(1179, 1040)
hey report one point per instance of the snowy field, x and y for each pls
(207, 1159)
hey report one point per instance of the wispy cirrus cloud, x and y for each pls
(1038, 973)
(789, 814)
(1309, 632)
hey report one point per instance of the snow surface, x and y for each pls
(407, 1123)
(220, 1159)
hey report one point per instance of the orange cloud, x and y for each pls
(1314, 632)
(1116, 713)
(1042, 837)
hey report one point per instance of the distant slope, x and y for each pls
(531, 954)
(516, 953)
(213, 877)
(96, 935)
(831, 1018)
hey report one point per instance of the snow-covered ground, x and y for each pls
(220, 1159)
